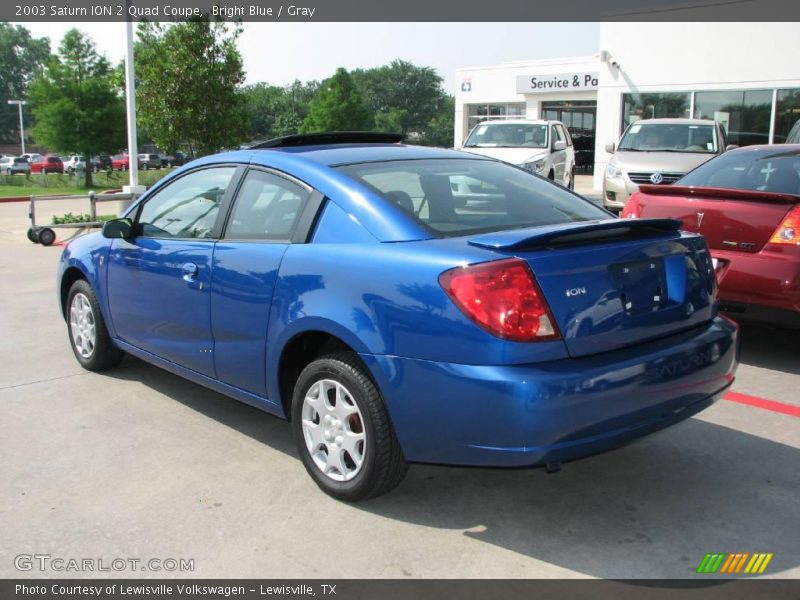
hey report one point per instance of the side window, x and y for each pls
(267, 207)
(188, 207)
(565, 135)
(557, 135)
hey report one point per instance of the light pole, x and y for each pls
(133, 186)
(19, 104)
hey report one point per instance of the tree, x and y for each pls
(188, 78)
(338, 106)
(439, 130)
(402, 95)
(21, 57)
(276, 111)
(76, 105)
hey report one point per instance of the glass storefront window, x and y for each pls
(654, 106)
(787, 113)
(744, 113)
(477, 113)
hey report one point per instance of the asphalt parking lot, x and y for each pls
(138, 463)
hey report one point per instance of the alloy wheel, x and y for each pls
(333, 429)
(82, 325)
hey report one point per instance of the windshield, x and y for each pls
(458, 196)
(779, 172)
(669, 137)
(508, 135)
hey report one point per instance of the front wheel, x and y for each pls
(88, 335)
(342, 430)
(571, 183)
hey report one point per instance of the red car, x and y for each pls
(746, 203)
(121, 162)
(47, 164)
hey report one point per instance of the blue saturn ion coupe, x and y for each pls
(404, 304)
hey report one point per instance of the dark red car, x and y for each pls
(746, 203)
(121, 162)
(47, 164)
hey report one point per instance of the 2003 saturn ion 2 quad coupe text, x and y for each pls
(404, 304)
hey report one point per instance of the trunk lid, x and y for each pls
(737, 220)
(615, 283)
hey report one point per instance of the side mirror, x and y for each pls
(559, 145)
(610, 147)
(118, 228)
(731, 147)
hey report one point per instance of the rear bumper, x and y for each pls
(762, 287)
(524, 415)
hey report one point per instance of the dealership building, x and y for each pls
(745, 75)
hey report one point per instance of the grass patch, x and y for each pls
(53, 184)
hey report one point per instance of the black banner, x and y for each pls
(251, 589)
(405, 11)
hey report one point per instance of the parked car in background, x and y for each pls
(659, 152)
(47, 164)
(102, 162)
(149, 161)
(393, 324)
(75, 163)
(747, 205)
(542, 147)
(11, 165)
(121, 162)
(173, 160)
(31, 157)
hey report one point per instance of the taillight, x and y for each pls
(788, 232)
(503, 298)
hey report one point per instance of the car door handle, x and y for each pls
(189, 272)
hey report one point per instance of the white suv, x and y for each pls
(541, 147)
(75, 163)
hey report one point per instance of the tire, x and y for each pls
(97, 356)
(382, 465)
(46, 236)
(33, 235)
(551, 176)
(571, 184)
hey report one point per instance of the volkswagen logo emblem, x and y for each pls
(656, 178)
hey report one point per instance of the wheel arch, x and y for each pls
(70, 276)
(299, 349)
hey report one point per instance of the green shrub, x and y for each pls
(84, 218)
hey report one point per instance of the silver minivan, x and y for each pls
(659, 152)
(541, 147)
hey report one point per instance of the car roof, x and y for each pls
(331, 155)
(771, 150)
(518, 122)
(674, 121)
(342, 154)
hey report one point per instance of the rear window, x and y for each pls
(458, 196)
(20, 161)
(53, 159)
(778, 172)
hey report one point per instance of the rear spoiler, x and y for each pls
(534, 238)
(721, 193)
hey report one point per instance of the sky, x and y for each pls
(279, 53)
